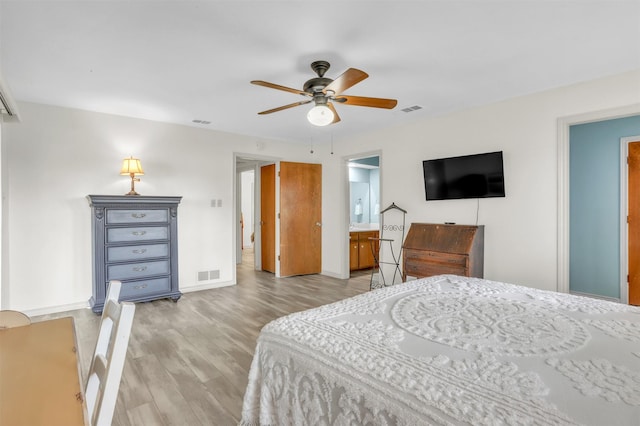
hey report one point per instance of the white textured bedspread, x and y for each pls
(449, 350)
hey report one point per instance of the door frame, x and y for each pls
(346, 217)
(563, 125)
(254, 162)
(624, 211)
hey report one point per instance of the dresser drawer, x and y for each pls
(137, 216)
(138, 289)
(147, 251)
(137, 270)
(140, 233)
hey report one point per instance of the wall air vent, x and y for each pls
(411, 108)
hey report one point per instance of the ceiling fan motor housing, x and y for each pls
(316, 85)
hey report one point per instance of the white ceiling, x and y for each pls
(176, 61)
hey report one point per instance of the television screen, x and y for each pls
(469, 176)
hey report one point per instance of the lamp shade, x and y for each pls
(320, 115)
(131, 166)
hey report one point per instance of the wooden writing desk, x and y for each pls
(39, 375)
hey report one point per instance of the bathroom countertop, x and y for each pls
(364, 227)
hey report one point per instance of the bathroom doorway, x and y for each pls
(364, 212)
(364, 192)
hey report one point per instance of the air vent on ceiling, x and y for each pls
(411, 108)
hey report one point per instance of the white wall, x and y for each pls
(57, 156)
(521, 229)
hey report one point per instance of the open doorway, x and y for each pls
(364, 212)
(247, 210)
(247, 217)
(593, 137)
(259, 240)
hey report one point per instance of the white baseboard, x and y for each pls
(207, 286)
(85, 305)
(56, 309)
(334, 275)
(596, 296)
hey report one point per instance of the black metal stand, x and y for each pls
(379, 247)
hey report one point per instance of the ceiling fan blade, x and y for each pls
(277, 86)
(367, 102)
(336, 117)
(347, 79)
(295, 104)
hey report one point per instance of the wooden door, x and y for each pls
(300, 218)
(634, 222)
(268, 217)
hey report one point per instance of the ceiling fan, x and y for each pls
(323, 91)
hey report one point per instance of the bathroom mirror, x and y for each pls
(359, 205)
(364, 192)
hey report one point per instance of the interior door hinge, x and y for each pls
(627, 277)
(278, 215)
(278, 257)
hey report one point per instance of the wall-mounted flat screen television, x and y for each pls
(468, 176)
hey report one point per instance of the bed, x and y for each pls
(449, 350)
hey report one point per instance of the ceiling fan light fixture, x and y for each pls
(320, 115)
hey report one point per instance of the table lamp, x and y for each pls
(132, 167)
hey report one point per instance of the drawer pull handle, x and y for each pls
(139, 287)
(138, 215)
(139, 251)
(139, 268)
(138, 233)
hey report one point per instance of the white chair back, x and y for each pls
(107, 363)
(10, 319)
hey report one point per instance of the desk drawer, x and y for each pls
(147, 251)
(138, 289)
(137, 270)
(436, 257)
(141, 233)
(426, 269)
(137, 216)
(424, 263)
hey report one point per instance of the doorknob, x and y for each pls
(318, 224)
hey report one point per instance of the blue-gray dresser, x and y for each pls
(134, 240)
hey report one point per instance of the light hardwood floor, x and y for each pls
(188, 362)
